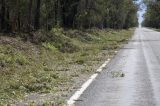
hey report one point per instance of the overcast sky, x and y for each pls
(141, 12)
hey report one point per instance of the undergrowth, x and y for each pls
(53, 62)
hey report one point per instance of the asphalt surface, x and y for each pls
(139, 61)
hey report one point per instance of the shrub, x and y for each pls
(49, 46)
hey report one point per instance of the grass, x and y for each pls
(157, 30)
(56, 66)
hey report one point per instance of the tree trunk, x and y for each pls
(18, 15)
(30, 15)
(8, 26)
(19, 22)
(3, 13)
(55, 7)
(37, 15)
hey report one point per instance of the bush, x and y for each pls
(49, 46)
(12, 59)
(56, 40)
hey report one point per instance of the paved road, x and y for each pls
(139, 60)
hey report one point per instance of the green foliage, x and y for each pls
(152, 16)
(32, 15)
(46, 104)
(49, 46)
(55, 40)
(80, 60)
(32, 104)
(62, 42)
(9, 57)
(107, 13)
(53, 72)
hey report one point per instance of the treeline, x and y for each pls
(31, 15)
(152, 16)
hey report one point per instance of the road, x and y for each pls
(139, 61)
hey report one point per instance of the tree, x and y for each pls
(152, 16)
(3, 14)
(37, 15)
(31, 15)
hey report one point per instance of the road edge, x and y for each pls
(79, 92)
(85, 85)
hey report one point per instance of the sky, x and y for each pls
(141, 12)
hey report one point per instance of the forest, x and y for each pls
(152, 15)
(32, 15)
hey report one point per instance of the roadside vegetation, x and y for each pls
(158, 30)
(152, 15)
(50, 47)
(49, 71)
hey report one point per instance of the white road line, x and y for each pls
(80, 91)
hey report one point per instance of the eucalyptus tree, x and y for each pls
(152, 16)
(32, 15)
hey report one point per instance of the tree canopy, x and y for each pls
(31, 15)
(152, 16)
